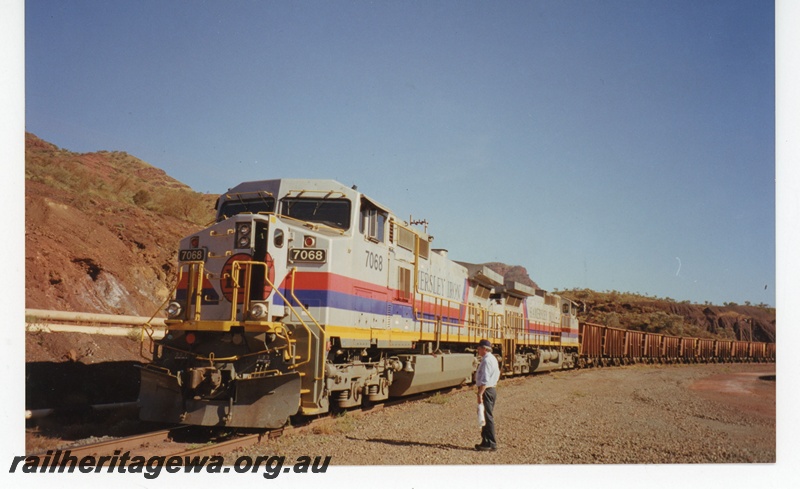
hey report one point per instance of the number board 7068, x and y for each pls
(306, 255)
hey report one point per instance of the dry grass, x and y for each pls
(341, 424)
(117, 177)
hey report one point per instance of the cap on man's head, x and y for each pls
(485, 344)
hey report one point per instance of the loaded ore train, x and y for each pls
(306, 296)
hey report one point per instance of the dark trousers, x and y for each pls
(487, 432)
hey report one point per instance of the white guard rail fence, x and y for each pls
(39, 320)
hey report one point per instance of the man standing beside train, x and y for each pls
(486, 378)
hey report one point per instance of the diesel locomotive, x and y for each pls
(306, 296)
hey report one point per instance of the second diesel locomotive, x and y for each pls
(306, 295)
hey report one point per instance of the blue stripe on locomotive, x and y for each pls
(355, 303)
(347, 302)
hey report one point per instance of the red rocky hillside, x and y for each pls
(102, 230)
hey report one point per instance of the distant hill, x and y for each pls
(513, 273)
(102, 230)
(664, 316)
(633, 311)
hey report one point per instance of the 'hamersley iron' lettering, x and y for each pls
(439, 286)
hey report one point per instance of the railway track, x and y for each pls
(182, 441)
(134, 442)
(191, 441)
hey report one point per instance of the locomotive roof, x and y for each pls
(282, 186)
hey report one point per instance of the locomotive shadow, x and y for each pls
(71, 388)
(75, 385)
(406, 443)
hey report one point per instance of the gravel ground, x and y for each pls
(632, 415)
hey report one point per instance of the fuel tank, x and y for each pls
(422, 373)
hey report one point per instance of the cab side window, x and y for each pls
(373, 222)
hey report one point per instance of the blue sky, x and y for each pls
(615, 145)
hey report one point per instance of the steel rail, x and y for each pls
(225, 446)
(108, 447)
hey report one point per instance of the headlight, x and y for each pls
(174, 309)
(243, 234)
(258, 311)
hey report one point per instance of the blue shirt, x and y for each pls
(488, 372)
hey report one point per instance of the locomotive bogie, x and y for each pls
(351, 383)
(549, 359)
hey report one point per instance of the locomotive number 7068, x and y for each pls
(374, 261)
(307, 255)
(194, 254)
